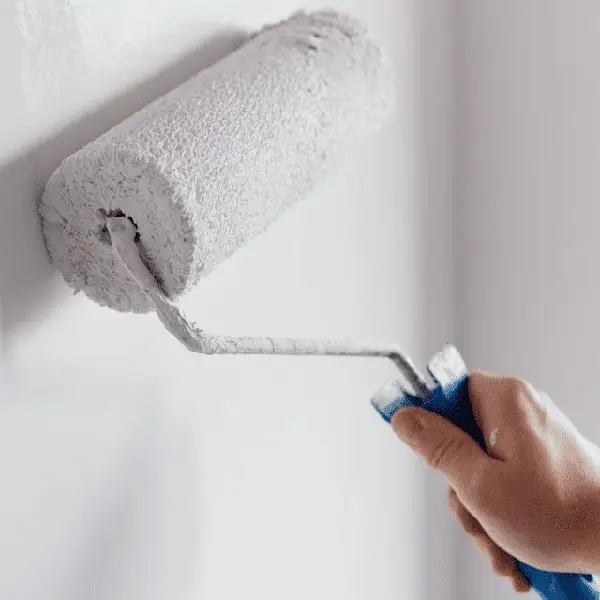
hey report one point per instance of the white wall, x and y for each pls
(529, 145)
(131, 469)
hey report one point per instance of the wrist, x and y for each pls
(594, 544)
(586, 520)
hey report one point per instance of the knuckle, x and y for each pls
(483, 487)
(483, 385)
(484, 389)
(443, 452)
(516, 387)
(520, 396)
(470, 527)
(478, 381)
(479, 376)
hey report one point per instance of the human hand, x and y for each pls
(535, 495)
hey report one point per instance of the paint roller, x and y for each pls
(138, 216)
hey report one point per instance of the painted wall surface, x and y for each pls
(529, 143)
(130, 469)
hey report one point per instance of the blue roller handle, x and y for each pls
(452, 402)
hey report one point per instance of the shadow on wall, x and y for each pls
(28, 288)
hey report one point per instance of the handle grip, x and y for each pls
(452, 402)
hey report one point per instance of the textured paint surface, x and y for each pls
(131, 468)
(208, 167)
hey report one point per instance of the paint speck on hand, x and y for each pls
(493, 437)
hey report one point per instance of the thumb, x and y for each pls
(445, 447)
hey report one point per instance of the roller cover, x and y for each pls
(210, 165)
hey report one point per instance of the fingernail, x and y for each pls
(407, 426)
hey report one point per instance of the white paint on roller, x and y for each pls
(204, 169)
(493, 436)
(211, 164)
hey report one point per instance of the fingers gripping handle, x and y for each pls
(450, 399)
(452, 402)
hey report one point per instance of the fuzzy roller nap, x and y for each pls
(136, 217)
